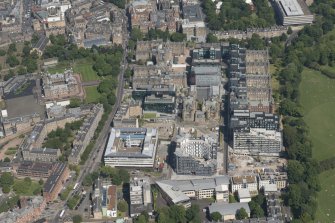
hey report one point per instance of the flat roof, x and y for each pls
(228, 209)
(291, 7)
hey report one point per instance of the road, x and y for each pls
(96, 154)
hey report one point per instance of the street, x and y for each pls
(96, 155)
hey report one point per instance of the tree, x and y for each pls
(122, 206)
(178, 37)
(12, 61)
(241, 214)
(12, 48)
(6, 179)
(124, 175)
(74, 103)
(141, 219)
(216, 216)
(136, 34)
(295, 171)
(7, 160)
(211, 38)
(6, 189)
(192, 214)
(256, 43)
(289, 30)
(77, 219)
(177, 213)
(2, 53)
(256, 210)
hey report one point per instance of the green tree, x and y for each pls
(192, 214)
(256, 210)
(177, 37)
(6, 189)
(241, 214)
(2, 53)
(256, 43)
(216, 216)
(77, 219)
(289, 30)
(12, 61)
(177, 213)
(7, 160)
(136, 34)
(211, 38)
(295, 171)
(141, 219)
(12, 48)
(6, 179)
(122, 206)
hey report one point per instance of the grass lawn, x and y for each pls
(317, 96)
(92, 94)
(85, 69)
(22, 188)
(149, 115)
(326, 197)
(59, 68)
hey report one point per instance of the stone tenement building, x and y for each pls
(85, 133)
(55, 182)
(32, 145)
(29, 212)
(61, 85)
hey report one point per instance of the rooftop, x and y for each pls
(228, 209)
(131, 142)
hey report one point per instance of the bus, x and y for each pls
(62, 213)
(75, 186)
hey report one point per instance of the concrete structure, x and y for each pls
(140, 197)
(293, 12)
(131, 147)
(193, 24)
(228, 211)
(30, 213)
(195, 156)
(245, 181)
(55, 182)
(253, 127)
(163, 104)
(181, 192)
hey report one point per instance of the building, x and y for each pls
(30, 213)
(35, 170)
(31, 146)
(60, 85)
(54, 184)
(196, 156)
(279, 179)
(85, 134)
(207, 80)
(245, 181)
(131, 147)
(140, 197)
(163, 104)
(180, 192)
(244, 195)
(255, 130)
(193, 24)
(257, 141)
(109, 201)
(293, 12)
(228, 211)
